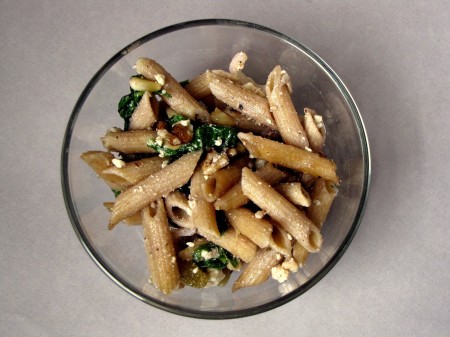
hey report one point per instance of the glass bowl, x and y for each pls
(185, 50)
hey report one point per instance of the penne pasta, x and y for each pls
(203, 212)
(244, 101)
(259, 231)
(315, 130)
(178, 98)
(236, 243)
(178, 210)
(235, 198)
(322, 196)
(280, 240)
(133, 172)
(300, 254)
(281, 210)
(128, 141)
(283, 110)
(160, 248)
(198, 87)
(143, 116)
(153, 187)
(132, 220)
(258, 270)
(295, 193)
(289, 156)
(219, 182)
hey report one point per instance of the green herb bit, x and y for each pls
(116, 192)
(210, 255)
(176, 118)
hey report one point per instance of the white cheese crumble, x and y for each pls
(164, 163)
(190, 244)
(279, 273)
(118, 163)
(218, 142)
(212, 254)
(317, 202)
(290, 265)
(308, 149)
(260, 214)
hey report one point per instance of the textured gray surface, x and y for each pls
(393, 56)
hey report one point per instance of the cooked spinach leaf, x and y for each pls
(127, 104)
(175, 119)
(206, 136)
(210, 255)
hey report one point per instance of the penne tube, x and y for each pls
(244, 101)
(322, 197)
(178, 210)
(198, 87)
(178, 98)
(236, 243)
(132, 220)
(323, 194)
(246, 124)
(235, 198)
(283, 110)
(143, 116)
(281, 210)
(203, 212)
(258, 270)
(133, 172)
(100, 162)
(315, 130)
(259, 231)
(153, 187)
(280, 241)
(295, 193)
(300, 254)
(128, 141)
(219, 182)
(289, 156)
(220, 117)
(160, 248)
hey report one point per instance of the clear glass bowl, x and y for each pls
(185, 50)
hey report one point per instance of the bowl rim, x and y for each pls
(186, 311)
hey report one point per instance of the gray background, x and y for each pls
(393, 56)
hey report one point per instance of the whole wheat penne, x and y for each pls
(281, 210)
(246, 124)
(235, 198)
(323, 194)
(100, 161)
(244, 101)
(280, 240)
(236, 243)
(295, 193)
(283, 110)
(203, 212)
(132, 220)
(198, 87)
(219, 182)
(153, 187)
(259, 231)
(289, 156)
(133, 172)
(160, 248)
(300, 254)
(258, 270)
(315, 130)
(322, 197)
(143, 116)
(178, 98)
(128, 141)
(178, 210)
